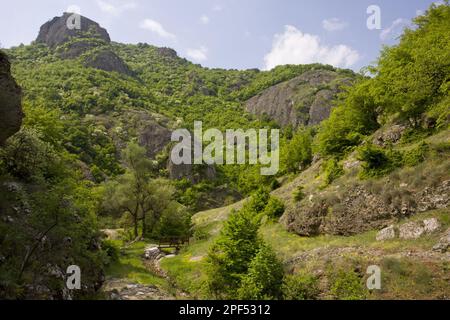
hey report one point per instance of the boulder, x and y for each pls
(431, 225)
(444, 243)
(386, 234)
(411, 230)
(10, 101)
(153, 253)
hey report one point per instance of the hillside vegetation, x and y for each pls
(364, 175)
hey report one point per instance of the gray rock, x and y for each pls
(386, 234)
(431, 225)
(152, 253)
(411, 230)
(304, 100)
(107, 60)
(55, 32)
(391, 134)
(444, 243)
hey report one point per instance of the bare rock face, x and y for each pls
(154, 138)
(10, 101)
(305, 100)
(360, 210)
(193, 173)
(56, 32)
(107, 60)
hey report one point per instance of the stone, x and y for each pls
(152, 253)
(444, 243)
(411, 230)
(431, 225)
(386, 234)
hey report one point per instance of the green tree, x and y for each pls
(296, 154)
(264, 278)
(230, 256)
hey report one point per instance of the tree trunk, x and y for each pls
(136, 234)
(144, 226)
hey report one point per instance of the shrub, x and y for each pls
(296, 154)
(300, 287)
(377, 161)
(274, 209)
(415, 156)
(298, 194)
(259, 200)
(346, 285)
(229, 257)
(333, 170)
(264, 278)
(112, 250)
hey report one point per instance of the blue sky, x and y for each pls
(232, 34)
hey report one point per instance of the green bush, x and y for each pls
(416, 156)
(332, 170)
(300, 287)
(112, 250)
(259, 200)
(377, 161)
(347, 285)
(296, 154)
(229, 257)
(274, 209)
(299, 194)
(264, 278)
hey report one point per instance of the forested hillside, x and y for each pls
(359, 153)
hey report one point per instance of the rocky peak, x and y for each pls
(10, 101)
(56, 32)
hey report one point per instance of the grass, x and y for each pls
(130, 266)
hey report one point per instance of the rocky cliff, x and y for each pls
(302, 101)
(10, 101)
(56, 32)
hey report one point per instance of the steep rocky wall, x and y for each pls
(10, 101)
(304, 100)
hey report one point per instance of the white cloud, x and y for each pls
(115, 9)
(395, 29)
(204, 19)
(198, 55)
(296, 47)
(334, 24)
(156, 27)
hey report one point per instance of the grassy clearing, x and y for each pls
(130, 266)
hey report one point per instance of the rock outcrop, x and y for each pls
(360, 210)
(193, 173)
(304, 100)
(107, 60)
(56, 31)
(10, 101)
